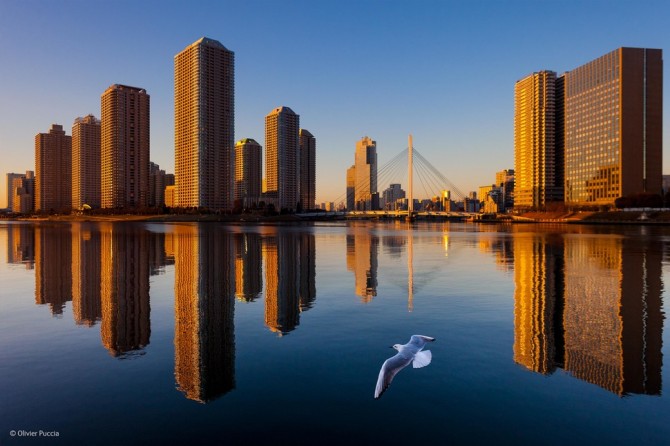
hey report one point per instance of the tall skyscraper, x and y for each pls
(613, 127)
(591, 135)
(204, 90)
(535, 141)
(248, 171)
(366, 174)
(124, 147)
(86, 162)
(282, 157)
(307, 169)
(53, 170)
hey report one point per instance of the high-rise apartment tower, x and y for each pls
(204, 120)
(282, 157)
(248, 172)
(307, 169)
(535, 150)
(53, 170)
(124, 147)
(86, 162)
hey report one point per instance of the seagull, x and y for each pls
(410, 352)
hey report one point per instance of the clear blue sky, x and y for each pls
(441, 70)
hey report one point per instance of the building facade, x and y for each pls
(10, 194)
(366, 174)
(282, 157)
(248, 171)
(53, 170)
(535, 151)
(390, 197)
(204, 90)
(351, 188)
(124, 147)
(613, 127)
(307, 169)
(86, 162)
(23, 193)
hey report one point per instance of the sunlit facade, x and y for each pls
(53, 170)
(86, 162)
(204, 120)
(613, 127)
(535, 151)
(366, 174)
(282, 158)
(125, 141)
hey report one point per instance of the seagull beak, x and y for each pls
(390, 346)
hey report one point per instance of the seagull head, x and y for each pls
(396, 346)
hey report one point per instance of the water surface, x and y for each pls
(142, 333)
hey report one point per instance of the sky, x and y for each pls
(443, 71)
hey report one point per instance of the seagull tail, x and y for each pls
(422, 359)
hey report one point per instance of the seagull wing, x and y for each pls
(419, 341)
(390, 368)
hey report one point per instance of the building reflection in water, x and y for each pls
(204, 312)
(248, 274)
(124, 288)
(362, 259)
(307, 270)
(591, 306)
(21, 245)
(86, 274)
(281, 287)
(53, 275)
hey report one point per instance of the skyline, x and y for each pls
(443, 71)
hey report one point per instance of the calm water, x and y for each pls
(133, 333)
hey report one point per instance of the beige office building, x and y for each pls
(53, 170)
(86, 162)
(248, 171)
(307, 169)
(204, 105)
(282, 157)
(613, 127)
(535, 150)
(124, 147)
(366, 174)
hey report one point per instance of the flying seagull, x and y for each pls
(410, 352)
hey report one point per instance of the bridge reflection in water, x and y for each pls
(585, 303)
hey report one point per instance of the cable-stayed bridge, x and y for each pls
(413, 171)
